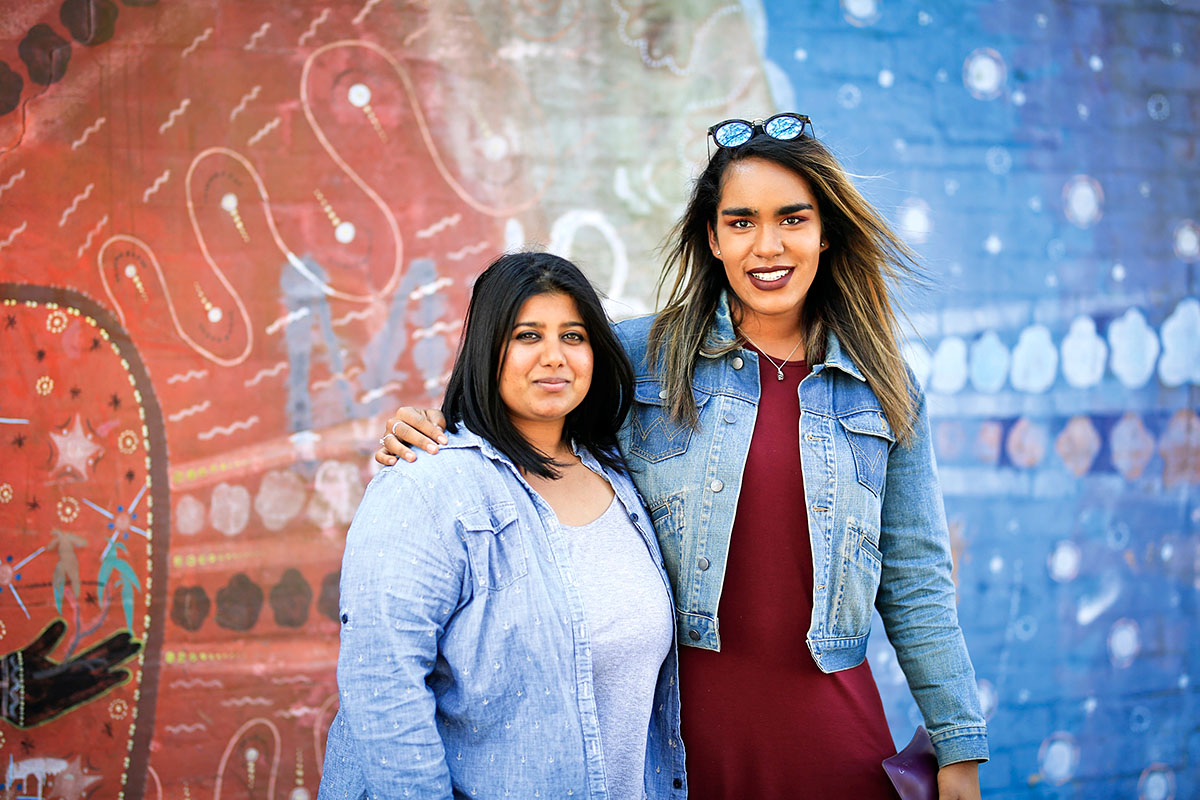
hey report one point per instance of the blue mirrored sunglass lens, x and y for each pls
(732, 134)
(784, 128)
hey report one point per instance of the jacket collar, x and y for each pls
(722, 334)
(467, 439)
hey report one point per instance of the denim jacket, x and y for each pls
(878, 528)
(465, 663)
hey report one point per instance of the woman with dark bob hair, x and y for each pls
(506, 616)
(783, 449)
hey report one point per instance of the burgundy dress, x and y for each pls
(759, 720)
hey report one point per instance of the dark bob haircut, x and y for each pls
(473, 393)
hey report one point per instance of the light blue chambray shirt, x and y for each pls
(465, 662)
(875, 516)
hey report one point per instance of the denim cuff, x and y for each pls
(961, 744)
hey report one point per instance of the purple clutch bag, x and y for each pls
(914, 769)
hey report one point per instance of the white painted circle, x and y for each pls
(993, 244)
(229, 201)
(359, 95)
(1019, 98)
(1096, 63)
(1144, 188)
(1187, 240)
(801, 54)
(984, 73)
(849, 95)
(1058, 758)
(996, 564)
(1035, 204)
(1158, 107)
(299, 793)
(999, 162)
(951, 186)
(1064, 561)
(251, 755)
(1157, 782)
(916, 221)
(344, 232)
(923, 18)
(130, 271)
(1083, 111)
(214, 315)
(1124, 642)
(1041, 20)
(1118, 272)
(886, 78)
(1083, 199)
(860, 12)
(988, 699)
(495, 148)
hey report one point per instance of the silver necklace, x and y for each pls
(778, 367)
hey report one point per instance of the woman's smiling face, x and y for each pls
(768, 236)
(547, 367)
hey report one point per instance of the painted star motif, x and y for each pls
(72, 783)
(76, 449)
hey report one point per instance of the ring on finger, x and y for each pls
(394, 424)
(381, 441)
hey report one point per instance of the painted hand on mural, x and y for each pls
(34, 688)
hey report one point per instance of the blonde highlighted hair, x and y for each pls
(850, 295)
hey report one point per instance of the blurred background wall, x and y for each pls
(234, 236)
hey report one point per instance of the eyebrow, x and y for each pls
(745, 211)
(568, 324)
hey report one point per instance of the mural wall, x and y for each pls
(234, 236)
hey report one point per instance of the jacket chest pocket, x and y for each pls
(655, 436)
(870, 437)
(495, 546)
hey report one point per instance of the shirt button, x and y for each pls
(736, 362)
(716, 485)
(633, 517)
(702, 564)
(694, 635)
(730, 419)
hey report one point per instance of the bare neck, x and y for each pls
(545, 437)
(777, 336)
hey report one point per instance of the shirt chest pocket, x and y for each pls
(495, 546)
(870, 437)
(656, 436)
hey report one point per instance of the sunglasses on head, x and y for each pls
(736, 132)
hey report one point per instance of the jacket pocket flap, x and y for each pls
(489, 520)
(652, 393)
(870, 422)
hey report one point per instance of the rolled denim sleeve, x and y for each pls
(400, 584)
(917, 601)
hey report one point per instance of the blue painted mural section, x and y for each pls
(1042, 158)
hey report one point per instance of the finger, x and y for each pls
(428, 421)
(113, 650)
(401, 433)
(382, 456)
(48, 640)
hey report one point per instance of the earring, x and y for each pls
(718, 252)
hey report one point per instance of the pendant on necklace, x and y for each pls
(779, 375)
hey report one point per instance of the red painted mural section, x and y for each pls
(232, 236)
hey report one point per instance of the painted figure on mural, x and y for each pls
(506, 613)
(779, 320)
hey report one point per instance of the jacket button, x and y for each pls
(702, 564)
(716, 485)
(736, 362)
(662, 394)
(730, 419)
(694, 635)
(677, 783)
